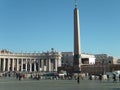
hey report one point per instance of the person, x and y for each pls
(119, 77)
(100, 77)
(90, 77)
(108, 77)
(20, 76)
(78, 79)
(114, 78)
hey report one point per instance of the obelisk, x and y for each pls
(77, 48)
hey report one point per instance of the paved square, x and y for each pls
(7, 84)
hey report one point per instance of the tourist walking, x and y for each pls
(100, 77)
(108, 77)
(114, 78)
(20, 76)
(90, 77)
(119, 77)
(78, 79)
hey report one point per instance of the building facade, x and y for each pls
(68, 59)
(106, 59)
(30, 62)
(103, 64)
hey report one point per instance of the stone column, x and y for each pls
(13, 64)
(56, 65)
(46, 64)
(30, 65)
(8, 64)
(59, 62)
(38, 65)
(42, 64)
(17, 64)
(49, 65)
(21, 64)
(52, 65)
(35, 65)
(3, 64)
(26, 65)
(0, 64)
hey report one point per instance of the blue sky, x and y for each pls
(39, 25)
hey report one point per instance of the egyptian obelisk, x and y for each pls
(77, 47)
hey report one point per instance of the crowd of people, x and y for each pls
(55, 76)
(101, 77)
(34, 76)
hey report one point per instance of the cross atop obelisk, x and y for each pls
(77, 48)
(75, 3)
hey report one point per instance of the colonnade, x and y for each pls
(28, 64)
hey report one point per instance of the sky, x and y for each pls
(39, 25)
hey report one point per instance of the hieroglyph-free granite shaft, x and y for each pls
(77, 47)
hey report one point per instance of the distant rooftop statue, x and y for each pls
(5, 51)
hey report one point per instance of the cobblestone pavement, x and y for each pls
(7, 84)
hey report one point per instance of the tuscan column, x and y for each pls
(55, 64)
(52, 64)
(49, 65)
(59, 62)
(0, 64)
(17, 64)
(38, 65)
(3, 64)
(8, 64)
(35, 65)
(26, 65)
(42, 65)
(40, 69)
(21, 64)
(30, 65)
(13, 64)
(46, 60)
